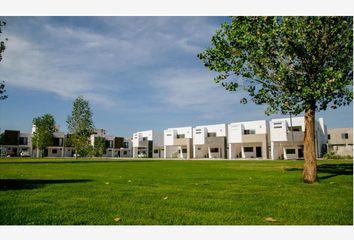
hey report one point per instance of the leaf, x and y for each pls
(165, 198)
(117, 219)
(270, 219)
(129, 180)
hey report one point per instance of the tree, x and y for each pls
(99, 147)
(43, 135)
(291, 64)
(2, 49)
(80, 126)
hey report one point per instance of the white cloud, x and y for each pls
(194, 90)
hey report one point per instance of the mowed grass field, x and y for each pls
(166, 192)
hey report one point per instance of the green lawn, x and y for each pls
(163, 192)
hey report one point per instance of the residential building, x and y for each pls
(115, 146)
(148, 144)
(14, 142)
(287, 137)
(248, 140)
(209, 141)
(178, 142)
(340, 140)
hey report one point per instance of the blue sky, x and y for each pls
(138, 73)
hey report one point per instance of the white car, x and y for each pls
(24, 154)
(142, 155)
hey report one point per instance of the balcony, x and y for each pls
(298, 136)
(215, 140)
(181, 141)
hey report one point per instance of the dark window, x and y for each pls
(329, 136)
(214, 150)
(211, 134)
(248, 149)
(124, 152)
(125, 145)
(23, 141)
(54, 151)
(295, 128)
(184, 150)
(249, 131)
(290, 151)
(277, 125)
(156, 151)
(180, 136)
(144, 138)
(344, 135)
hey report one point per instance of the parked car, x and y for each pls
(142, 155)
(24, 154)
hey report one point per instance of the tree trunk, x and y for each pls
(310, 164)
(37, 152)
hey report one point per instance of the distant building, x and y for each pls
(15, 143)
(340, 140)
(148, 144)
(178, 142)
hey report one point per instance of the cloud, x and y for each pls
(193, 90)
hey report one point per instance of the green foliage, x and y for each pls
(285, 62)
(155, 192)
(80, 126)
(43, 135)
(333, 155)
(2, 49)
(100, 147)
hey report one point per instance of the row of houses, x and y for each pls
(277, 139)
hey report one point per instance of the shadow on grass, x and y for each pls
(22, 184)
(84, 161)
(332, 170)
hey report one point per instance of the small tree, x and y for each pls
(2, 49)
(100, 146)
(43, 135)
(80, 126)
(292, 64)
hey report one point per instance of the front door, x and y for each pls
(300, 152)
(258, 152)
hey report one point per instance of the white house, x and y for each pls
(148, 143)
(14, 142)
(287, 137)
(248, 140)
(178, 142)
(209, 141)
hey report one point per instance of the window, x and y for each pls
(169, 135)
(125, 145)
(290, 151)
(198, 131)
(156, 151)
(344, 135)
(249, 131)
(23, 141)
(329, 136)
(199, 149)
(214, 150)
(211, 134)
(144, 139)
(277, 125)
(295, 128)
(184, 150)
(54, 151)
(248, 149)
(180, 136)
(124, 152)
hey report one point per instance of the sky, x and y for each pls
(138, 73)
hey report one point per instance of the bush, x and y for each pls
(333, 155)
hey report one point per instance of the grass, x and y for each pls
(163, 192)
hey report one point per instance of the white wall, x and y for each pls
(171, 133)
(139, 135)
(219, 129)
(235, 130)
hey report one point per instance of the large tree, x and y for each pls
(43, 135)
(2, 49)
(80, 126)
(292, 64)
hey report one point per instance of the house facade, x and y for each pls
(287, 137)
(178, 143)
(248, 140)
(14, 142)
(340, 141)
(210, 141)
(148, 144)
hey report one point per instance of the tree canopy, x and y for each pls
(2, 49)
(44, 129)
(285, 62)
(80, 126)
